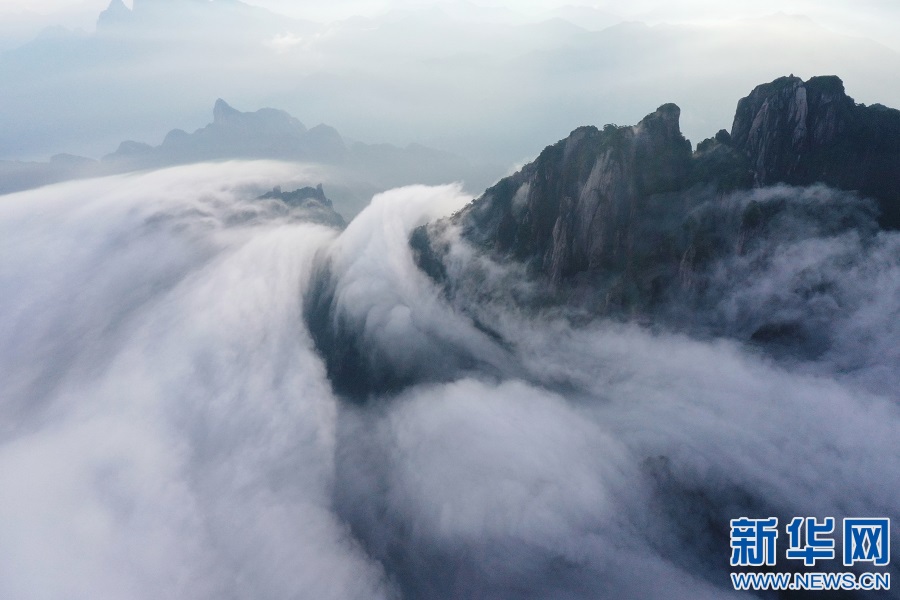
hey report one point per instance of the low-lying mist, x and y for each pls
(171, 426)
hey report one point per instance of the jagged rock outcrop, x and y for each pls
(308, 203)
(613, 204)
(628, 223)
(579, 206)
(808, 132)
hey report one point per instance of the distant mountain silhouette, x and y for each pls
(266, 133)
(359, 170)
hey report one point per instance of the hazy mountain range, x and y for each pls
(486, 86)
(353, 171)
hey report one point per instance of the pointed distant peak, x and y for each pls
(222, 111)
(114, 14)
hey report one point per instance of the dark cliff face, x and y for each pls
(802, 133)
(579, 205)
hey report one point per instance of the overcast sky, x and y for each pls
(483, 84)
(875, 18)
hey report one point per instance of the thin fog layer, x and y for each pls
(169, 428)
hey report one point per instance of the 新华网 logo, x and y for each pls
(754, 543)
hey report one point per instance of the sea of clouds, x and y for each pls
(168, 428)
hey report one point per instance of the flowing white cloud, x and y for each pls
(170, 430)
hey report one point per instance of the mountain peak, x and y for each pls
(564, 212)
(596, 203)
(115, 14)
(788, 106)
(668, 114)
(803, 132)
(222, 112)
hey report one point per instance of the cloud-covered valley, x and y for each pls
(175, 423)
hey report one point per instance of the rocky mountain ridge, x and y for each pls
(580, 204)
(615, 202)
(629, 224)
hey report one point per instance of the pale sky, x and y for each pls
(526, 72)
(875, 19)
(857, 15)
